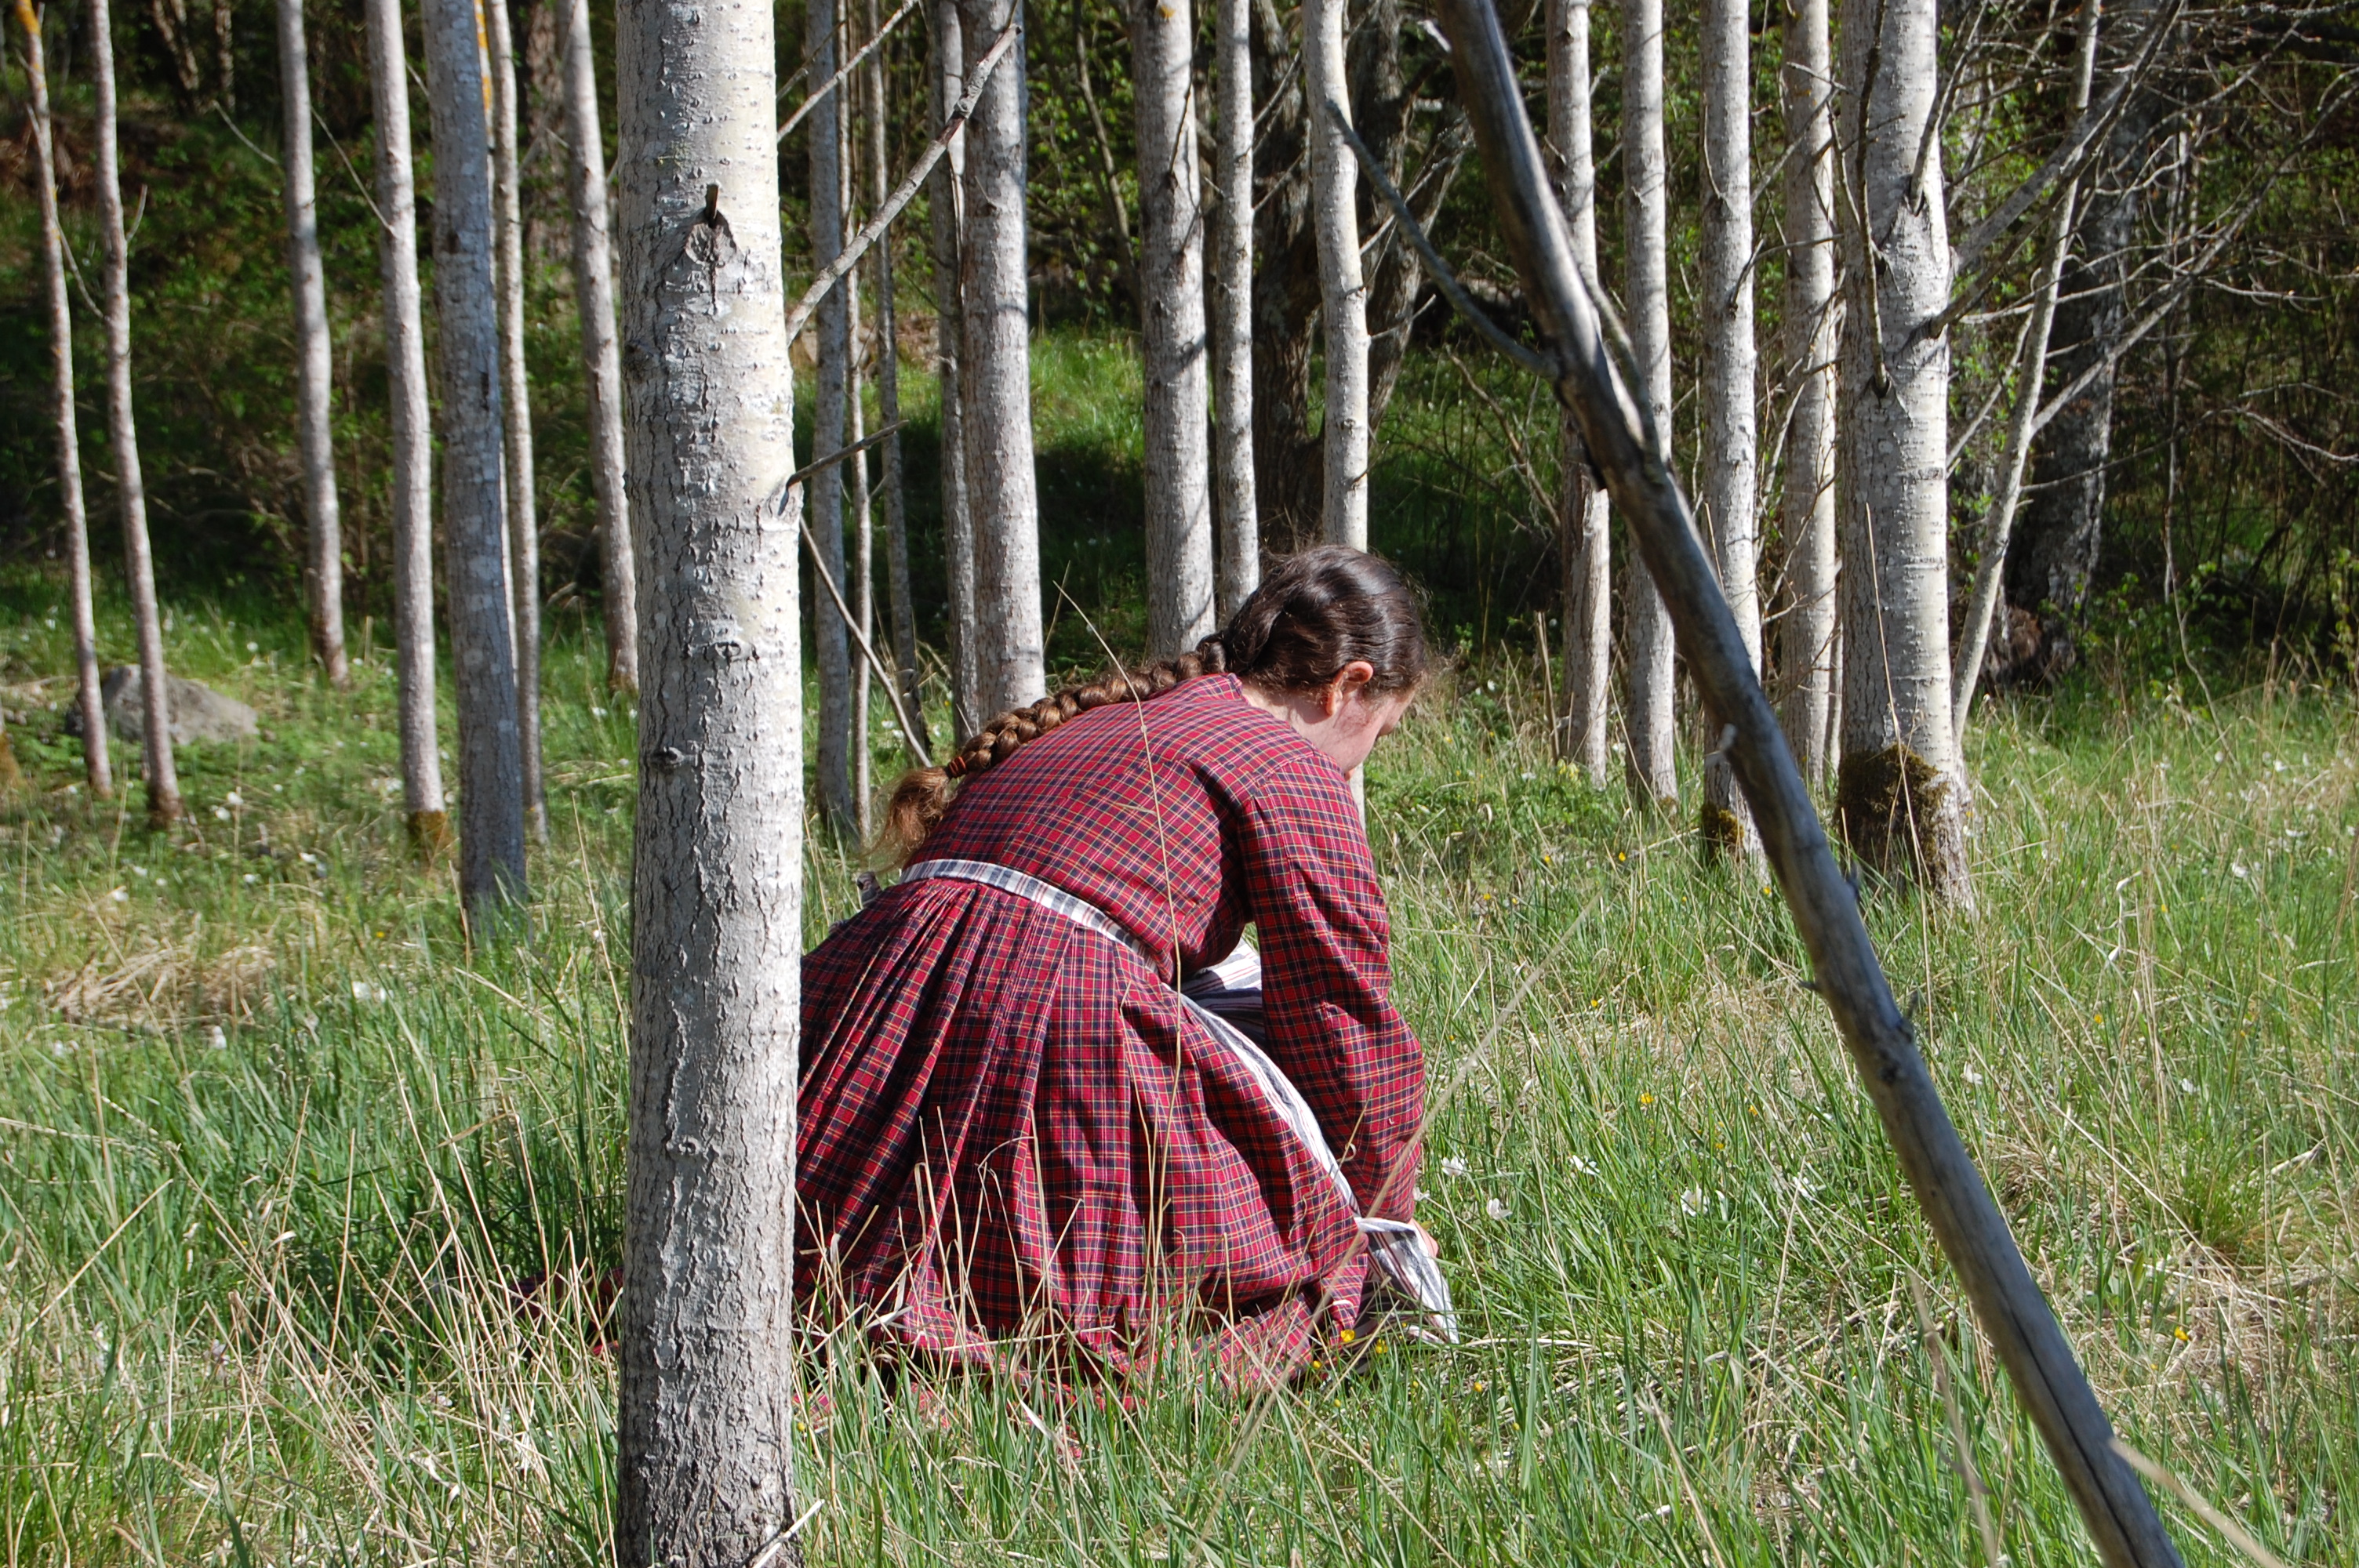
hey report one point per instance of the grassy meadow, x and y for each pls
(306, 1200)
(303, 1200)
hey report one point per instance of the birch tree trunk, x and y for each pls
(88, 700)
(413, 440)
(323, 555)
(705, 1426)
(1807, 633)
(123, 436)
(994, 385)
(888, 397)
(1584, 736)
(1237, 512)
(947, 203)
(602, 364)
(838, 803)
(1730, 364)
(1646, 706)
(1343, 289)
(1899, 792)
(1179, 609)
(491, 783)
(524, 525)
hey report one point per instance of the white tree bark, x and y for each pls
(1237, 510)
(602, 362)
(123, 436)
(1584, 736)
(89, 703)
(824, 125)
(948, 205)
(1900, 794)
(889, 398)
(1730, 365)
(413, 443)
(1812, 322)
(491, 785)
(705, 1429)
(1646, 706)
(523, 524)
(1343, 288)
(1180, 608)
(323, 552)
(994, 378)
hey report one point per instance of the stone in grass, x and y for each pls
(199, 712)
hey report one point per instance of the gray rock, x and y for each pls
(199, 712)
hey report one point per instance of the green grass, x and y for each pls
(278, 1148)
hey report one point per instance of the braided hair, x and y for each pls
(1315, 613)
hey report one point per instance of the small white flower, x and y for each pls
(1691, 1201)
(1453, 1166)
(249, 879)
(1422, 1195)
(139, 871)
(2236, 867)
(234, 799)
(1973, 1076)
(307, 858)
(2186, 1086)
(1583, 1166)
(220, 814)
(217, 1038)
(1496, 1208)
(597, 713)
(2277, 766)
(119, 896)
(367, 991)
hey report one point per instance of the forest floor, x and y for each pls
(304, 1200)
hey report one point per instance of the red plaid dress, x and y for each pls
(1010, 1128)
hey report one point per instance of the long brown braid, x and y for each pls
(1314, 612)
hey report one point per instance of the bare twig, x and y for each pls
(848, 257)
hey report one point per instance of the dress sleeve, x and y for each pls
(1327, 979)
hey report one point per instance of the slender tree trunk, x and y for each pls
(863, 528)
(491, 783)
(602, 362)
(1646, 706)
(1237, 514)
(1974, 638)
(413, 440)
(524, 525)
(946, 81)
(839, 805)
(1899, 792)
(1729, 363)
(704, 1433)
(1343, 289)
(1585, 736)
(888, 395)
(995, 384)
(2054, 554)
(123, 434)
(1179, 609)
(88, 700)
(1806, 634)
(323, 555)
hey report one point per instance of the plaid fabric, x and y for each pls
(1012, 1127)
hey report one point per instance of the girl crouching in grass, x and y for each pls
(1048, 1099)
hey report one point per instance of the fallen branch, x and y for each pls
(903, 194)
(2121, 1519)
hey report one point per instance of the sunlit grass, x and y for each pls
(307, 1204)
